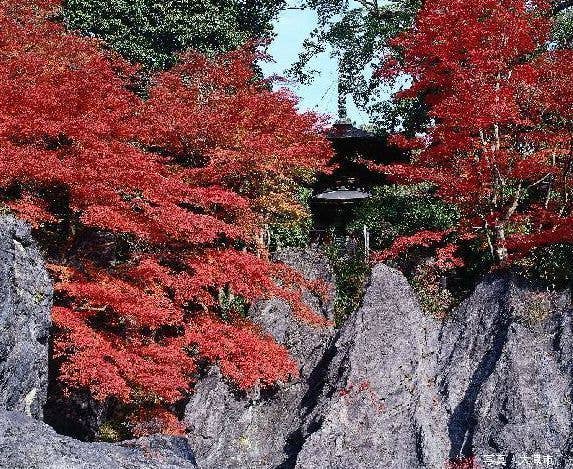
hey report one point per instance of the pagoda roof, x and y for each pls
(342, 195)
(345, 130)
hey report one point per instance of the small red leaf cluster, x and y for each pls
(149, 208)
(499, 143)
(469, 462)
(401, 245)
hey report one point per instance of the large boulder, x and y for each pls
(25, 304)
(376, 403)
(26, 443)
(259, 430)
(506, 374)
(400, 390)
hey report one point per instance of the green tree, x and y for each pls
(563, 31)
(356, 32)
(151, 32)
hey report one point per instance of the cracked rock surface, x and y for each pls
(377, 403)
(506, 374)
(26, 443)
(25, 304)
(398, 389)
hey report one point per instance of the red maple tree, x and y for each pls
(499, 146)
(148, 209)
(264, 154)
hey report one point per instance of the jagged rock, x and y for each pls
(26, 443)
(25, 304)
(314, 265)
(393, 388)
(506, 374)
(377, 404)
(497, 382)
(229, 430)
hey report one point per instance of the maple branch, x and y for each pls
(513, 207)
(539, 181)
(489, 241)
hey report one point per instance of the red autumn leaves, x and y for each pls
(499, 143)
(149, 208)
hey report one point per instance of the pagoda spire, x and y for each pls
(342, 95)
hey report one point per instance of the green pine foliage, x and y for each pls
(152, 32)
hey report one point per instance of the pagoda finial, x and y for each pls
(342, 94)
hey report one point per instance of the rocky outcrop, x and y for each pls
(377, 404)
(26, 299)
(396, 388)
(368, 399)
(26, 443)
(401, 390)
(393, 388)
(260, 430)
(506, 374)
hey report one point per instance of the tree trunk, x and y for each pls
(500, 249)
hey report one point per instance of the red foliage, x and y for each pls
(156, 420)
(499, 146)
(404, 243)
(463, 463)
(149, 208)
(266, 148)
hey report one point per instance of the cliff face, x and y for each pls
(392, 388)
(505, 374)
(25, 303)
(395, 388)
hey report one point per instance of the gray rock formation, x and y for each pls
(506, 374)
(25, 304)
(26, 443)
(393, 388)
(497, 382)
(228, 430)
(377, 404)
(314, 265)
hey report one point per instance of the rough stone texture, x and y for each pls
(397, 389)
(26, 443)
(228, 430)
(506, 370)
(25, 304)
(392, 389)
(314, 265)
(376, 405)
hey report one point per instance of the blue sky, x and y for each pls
(292, 27)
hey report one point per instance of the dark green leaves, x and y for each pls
(151, 32)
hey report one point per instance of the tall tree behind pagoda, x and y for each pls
(152, 32)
